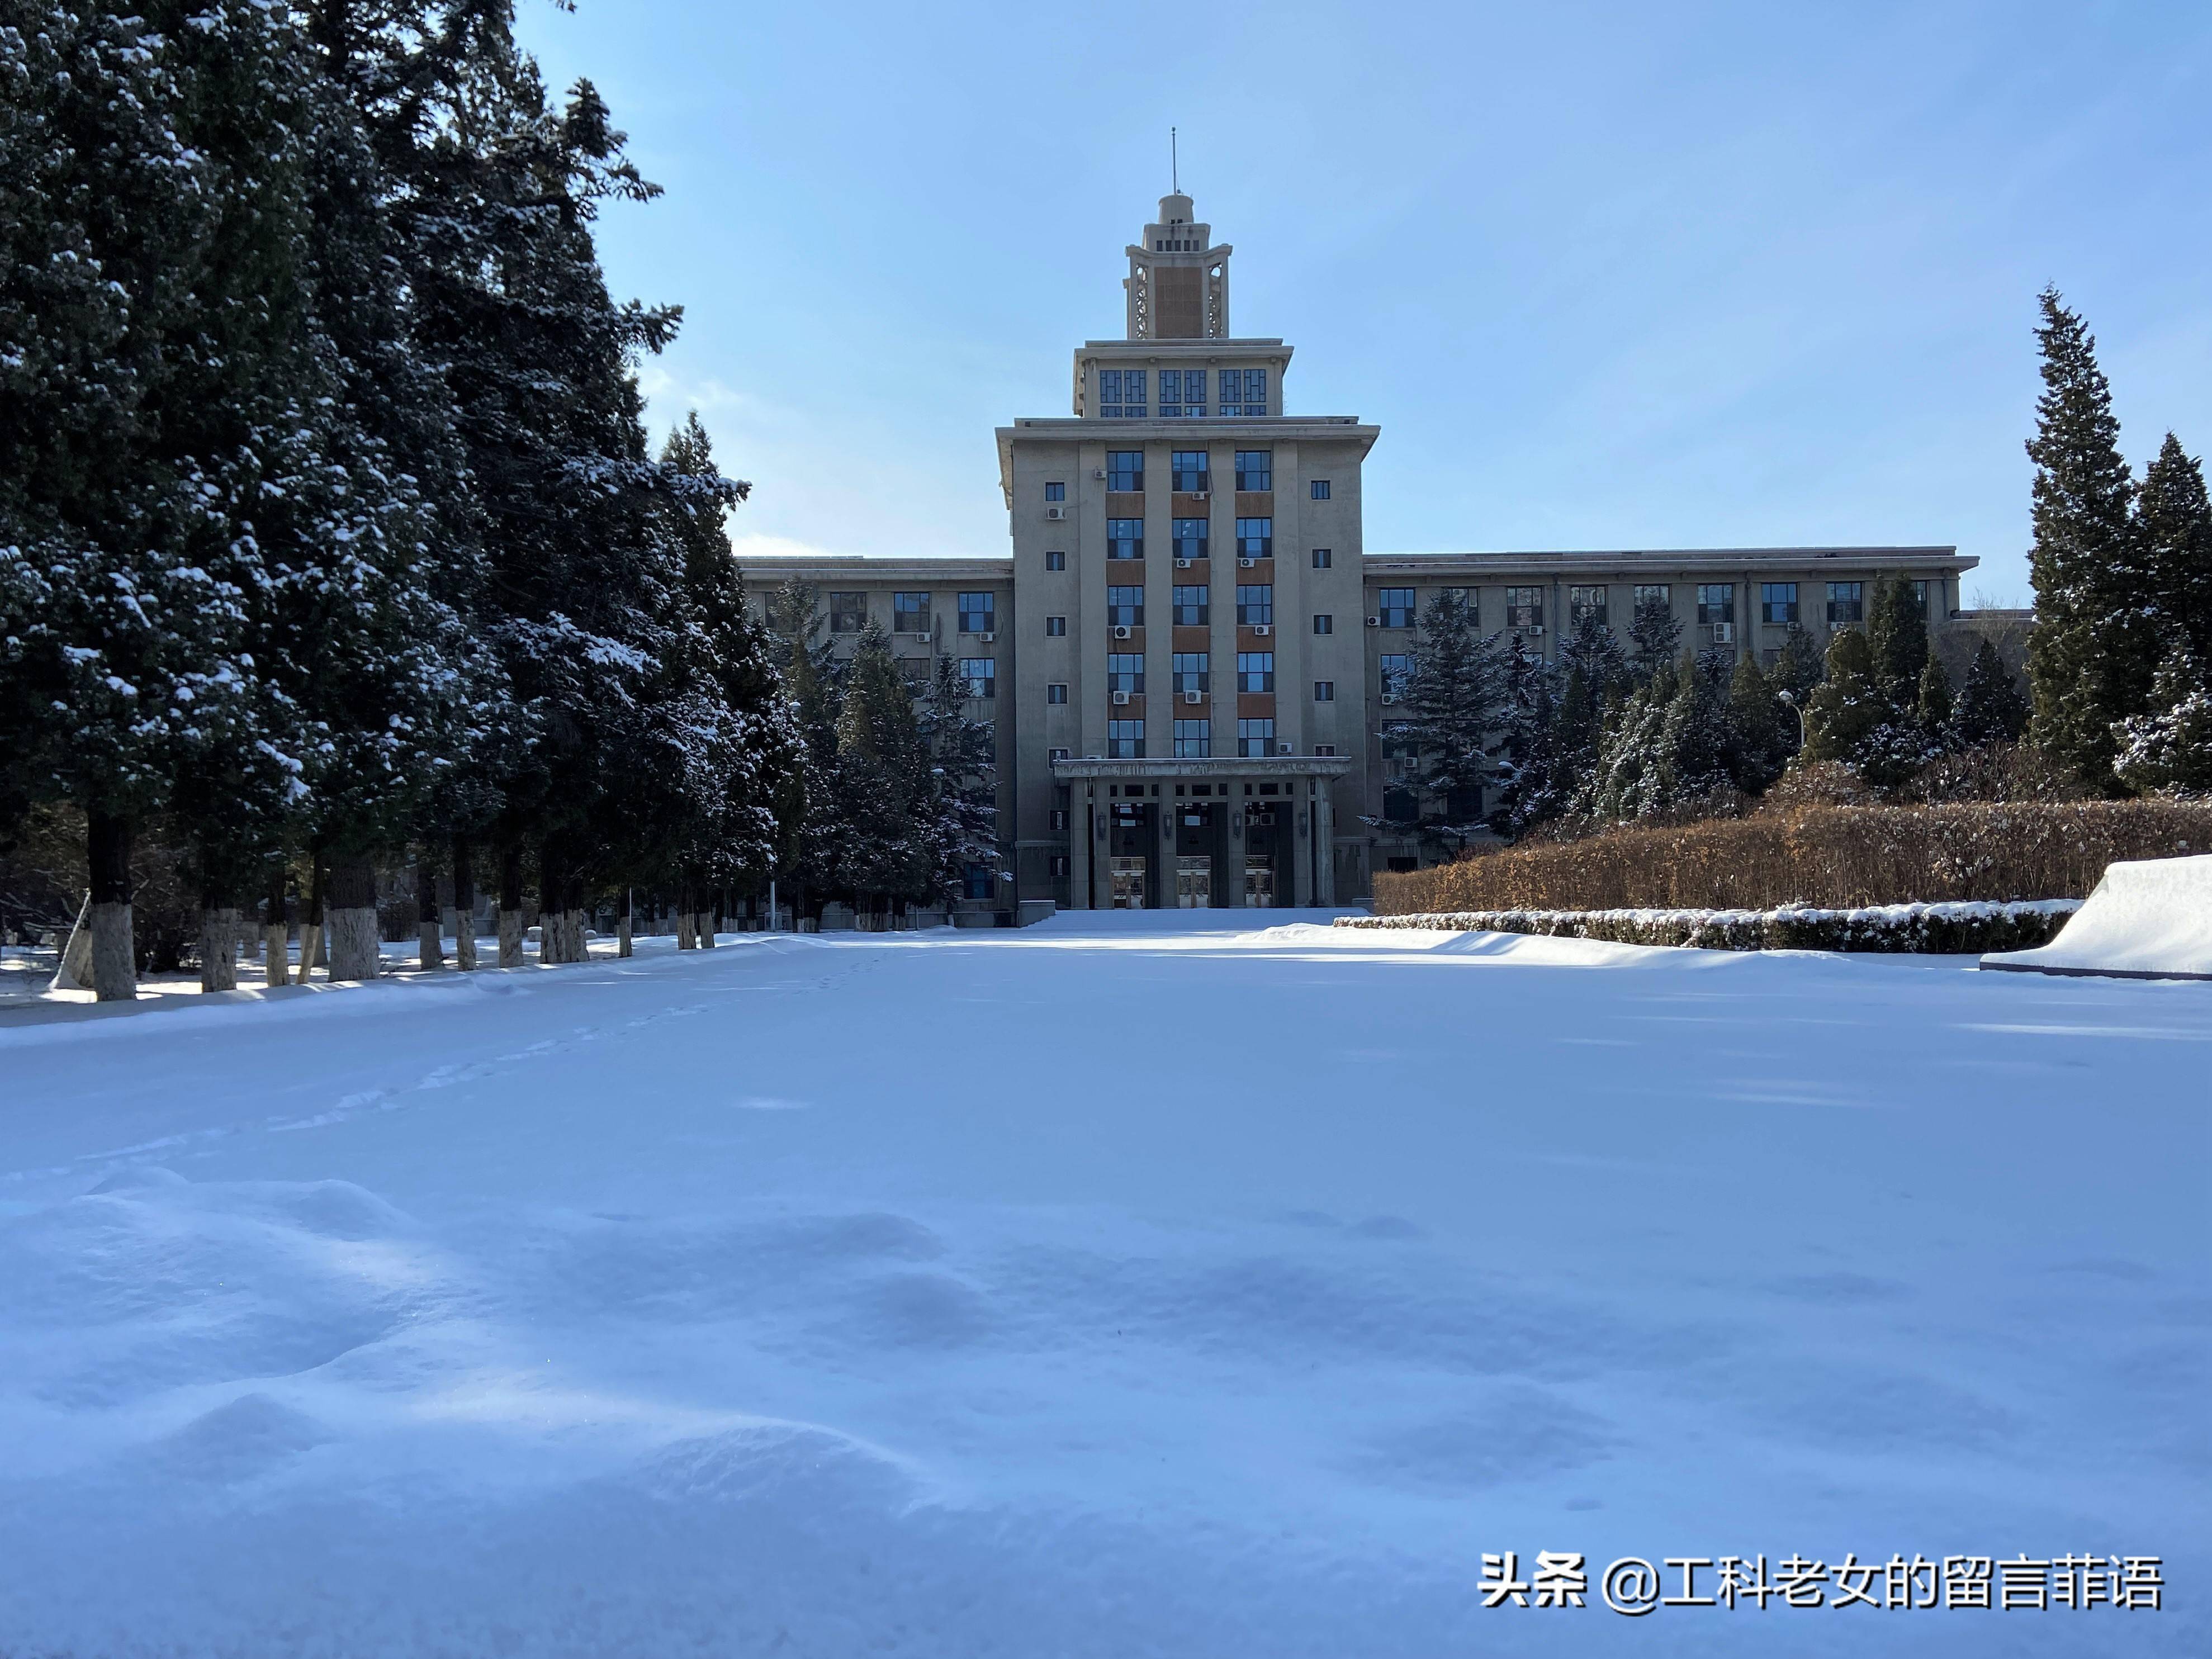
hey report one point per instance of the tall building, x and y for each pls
(1190, 655)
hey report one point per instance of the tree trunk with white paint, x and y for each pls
(431, 951)
(464, 907)
(114, 949)
(355, 953)
(622, 925)
(276, 938)
(510, 908)
(311, 919)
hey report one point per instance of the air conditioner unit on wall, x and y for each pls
(1389, 696)
(988, 637)
(1723, 632)
(1120, 631)
(1182, 564)
(1197, 494)
(1193, 697)
(1120, 698)
(1246, 564)
(1374, 622)
(1263, 628)
(1284, 746)
(1098, 472)
(1055, 513)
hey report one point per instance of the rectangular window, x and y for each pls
(1318, 489)
(1846, 602)
(1256, 539)
(1920, 597)
(1716, 602)
(1187, 469)
(981, 674)
(977, 880)
(1778, 602)
(909, 613)
(848, 612)
(1324, 749)
(1320, 558)
(1189, 536)
(1056, 754)
(1255, 738)
(1125, 671)
(1125, 469)
(1182, 392)
(1125, 607)
(1194, 606)
(1056, 492)
(1324, 690)
(1244, 392)
(1194, 740)
(1056, 560)
(1324, 624)
(1255, 468)
(978, 612)
(1056, 691)
(1125, 538)
(1585, 605)
(1524, 607)
(1054, 626)
(1659, 594)
(1124, 739)
(1121, 393)
(1394, 605)
(1255, 607)
(1192, 671)
(1397, 668)
(1255, 671)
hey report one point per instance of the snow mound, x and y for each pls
(2147, 919)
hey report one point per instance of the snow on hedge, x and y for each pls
(1958, 926)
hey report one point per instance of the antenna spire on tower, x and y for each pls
(1174, 164)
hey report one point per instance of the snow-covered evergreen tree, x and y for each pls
(2169, 747)
(1590, 648)
(2173, 525)
(2096, 642)
(1452, 701)
(1763, 729)
(1521, 755)
(1897, 634)
(1655, 638)
(884, 783)
(963, 788)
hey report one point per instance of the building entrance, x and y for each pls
(1262, 851)
(1130, 841)
(1194, 883)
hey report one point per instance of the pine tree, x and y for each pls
(2095, 647)
(1849, 706)
(884, 781)
(1655, 637)
(2170, 748)
(2173, 523)
(1897, 634)
(1933, 707)
(1798, 666)
(1589, 647)
(1764, 728)
(1990, 708)
(1452, 702)
(1521, 755)
(963, 792)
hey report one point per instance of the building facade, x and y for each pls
(1187, 651)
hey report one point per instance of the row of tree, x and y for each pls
(2117, 666)
(329, 525)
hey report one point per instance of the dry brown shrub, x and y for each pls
(1831, 856)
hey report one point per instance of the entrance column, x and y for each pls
(1163, 854)
(1325, 842)
(1084, 824)
(1300, 811)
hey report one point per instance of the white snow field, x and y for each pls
(1128, 1285)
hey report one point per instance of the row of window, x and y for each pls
(911, 613)
(1194, 740)
(1125, 538)
(1524, 606)
(1193, 606)
(1189, 470)
(1192, 671)
(1242, 394)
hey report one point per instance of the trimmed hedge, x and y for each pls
(1970, 927)
(1833, 857)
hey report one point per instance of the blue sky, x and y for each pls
(1607, 276)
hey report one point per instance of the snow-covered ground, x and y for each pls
(1118, 1286)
